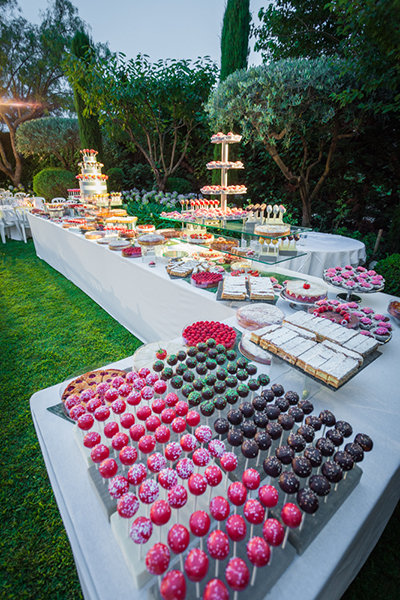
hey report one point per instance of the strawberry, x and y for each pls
(161, 354)
(306, 286)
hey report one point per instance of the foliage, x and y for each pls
(158, 106)
(389, 267)
(393, 235)
(43, 315)
(235, 37)
(50, 136)
(140, 175)
(296, 28)
(179, 184)
(31, 78)
(53, 183)
(89, 128)
(287, 105)
(115, 179)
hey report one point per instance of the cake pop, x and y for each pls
(344, 460)
(272, 466)
(288, 482)
(201, 457)
(108, 468)
(173, 451)
(335, 437)
(147, 443)
(118, 486)
(314, 422)
(178, 538)
(177, 497)
(162, 434)
(215, 590)
(301, 466)
(249, 449)
(216, 448)
(127, 505)
(141, 530)
(167, 478)
(273, 532)
(296, 441)
(199, 523)
(137, 474)
(93, 438)
(320, 485)
(184, 468)
(157, 559)
(127, 420)
(196, 565)
(251, 479)
(268, 495)
(258, 552)
(325, 446)
(236, 528)
(160, 513)
(363, 440)
(221, 426)
(307, 432)
(197, 484)
(345, 428)
(285, 454)
(156, 462)
(149, 491)
(219, 508)
(173, 586)
(354, 449)
(237, 574)
(203, 434)
(237, 493)
(111, 429)
(213, 475)
(307, 500)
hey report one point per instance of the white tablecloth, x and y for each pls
(143, 299)
(369, 401)
(326, 250)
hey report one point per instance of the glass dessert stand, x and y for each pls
(349, 295)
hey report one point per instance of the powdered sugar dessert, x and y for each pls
(254, 316)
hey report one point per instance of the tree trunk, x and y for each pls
(306, 204)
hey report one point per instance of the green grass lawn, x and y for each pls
(50, 330)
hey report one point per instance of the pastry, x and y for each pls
(255, 316)
(151, 239)
(260, 288)
(132, 252)
(305, 291)
(234, 288)
(272, 231)
(223, 244)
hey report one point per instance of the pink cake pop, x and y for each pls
(141, 530)
(160, 512)
(203, 434)
(147, 443)
(201, 457)
(102, 413)
(91, 439)
(213, 475)
(237, 493)
(173, 586)
(171, 399)
(118, 486)
(152, 378)
(291, 516)
(178, 538)
(192, 418)
(127, 420)
(147, 392)
(139, 384)
(134, 398)
(117, 382)
(273, 532)
(177, 497)
(162, 434)
(102, 388)
(219, 508)
(85, 422)
(158, 406)
(188, 442)
(128, 455)
(168, 415)
(157, 559)
(236, 528)
(251, 479)
(160, 386)
(149, 491)
(118, 407)
(199, 523)
(136, 432)
(119, 440)
(268, 495)
(216, 448)
(124, 390)
(229, 461)
(215, 590)
(184, 468)
(87, 395)
(137, 474)
(143, 412)
(237, 574)
(76, 412)
(111, 429)
(131, 376)
(167, 478)
(181, 408)
(156, 462)
(258, 551)
(127, 505)
(143, 372)
(197, 484)
(254, 511)
(173, 451)
(93, 404)
(152, 423)
(108, 468)
(99, 453)
(178, 425)
(73, 401)
(218, 545)
(196, 565)
(111, 395)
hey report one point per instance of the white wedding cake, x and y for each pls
(92, 182)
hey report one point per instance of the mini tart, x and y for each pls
(169, 233)
(119, 244)
(151, 239)
(132, 252)
(224, 245)
(94, 235)
(381, 333)
(90, 379)
(145, 228)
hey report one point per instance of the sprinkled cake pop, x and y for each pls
(272, 411)
(178, 538)
(288, 482)
(237, 574)
(173, 586)
(167, 478)
(313, 455)
(325, 447)
(332, 471)
(196, 565)
(173, 451)
(160, 513)
(141, 530)
(307, 500)
(274, 430)
(344, 460)
(307, 432)
(258, 552)
(301, 466)
(157, 559)
(249, 449)
(345, 428)
(184, 468)
(127, 505)
(149, 491)
(216, 448)
(273, 532)
(296, 441)
(197, 484)
(249, 429)
(306, 406)
(229, 461)
(199, 523)
(268, 495)
(93, 438)
(285, 454)
(213, 475)
(219, 508)
(221, 426)
(235, 437)
(156, 462)
(247, 409)
(236, 528)
(320, 485)
(263, 440)
(177, 497)
(237, 493)
(188, 442)
(234, 416)
(108, 468)
(128, 456)
(218, 545)
(291, 515)
(272, 466)
(355, 451)
(314, 422)
(118, 486)
(296, 413)
(364, 441)
(203, 434)
(215, 590)
(137, 474)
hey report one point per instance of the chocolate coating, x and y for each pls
(355, 451)
(344, 460)
(306, 406)
(220, 348)
(308, 501)
(301, 466)
(314, 456)
(207, 393)
(263, 379)
(187, 389)
(222, 374)
(272, 466)
(235, 437)
(259, 403)
(249, 429)
(297, 442)
(278, 390)
(307, 432)
(158, 366)
(242, 362)
(335, 437)
(286, 421)
(268, 395)
(212, 353)
(273, 412)
(344, 427)
(194, 398)
(253, 385)
(242, 374)
(250, 448)
(211, 379)
(167, 373)
(364, 441)
(192, 351)
(231, 368)
(202, 347)
(219, 387)
(296, 413)
(320, 485)
(220, 359)
(201, 369)
(260, 419)
(288, 482)
(285, 454)
(251, 369)
(220, 403)
(243, 390)
(231, 381)
(327, 418)
(221, 426)
(332, 471)
(293, 397)
(201, 356)
(246, 409)
(181, 369)
(234, 416)
(211, 343)
(314, 422)
(188, 376)
(263, 440)
(282, 403)
(191, 362)
(198, 384)
(274, 430)
(231, 396)
(325, 447)
(207, 408)
(172, 359)
(231, 354)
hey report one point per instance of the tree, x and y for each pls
(235, 37)
(31, 78)
(50, 136)
(286, 104)
(157, 105)
(89, 128)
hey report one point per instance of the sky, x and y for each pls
(159, 28)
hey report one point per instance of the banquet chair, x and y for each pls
(56, 200)
(22, 218)
(2, 229)
(9, 220)
(20, 195)
(38, 202)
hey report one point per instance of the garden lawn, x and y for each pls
(50, 330)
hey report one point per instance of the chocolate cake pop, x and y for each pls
(221, 374)
(249, 448)
(220, 359)
(219, 387)
(259, 403)
(284, 454)
(242, 374)
(332, 471)
(301, 466)
(282, 403)
(201, 368)
(220, 403)
(251, 369)
(253, 385)
(268, 395)
(314, 422)
(364, 441)
(263, 379)
(320, 485)
(307, 432)
(335, 437)
(231, 396)
(306, 406)
(260, 420)
(231, 381)
(296, 441)
(242, 390)
(235, 437)
(288, 482)
(344, 460)
(187, 389)
(274, 430)
(314, 456)
(328, 418)
(207, 408)
(292, 397)
(272, 411)
(221, 426)
(231, 367)
(355, 451)
(307, 500)
(263, 440)
(234, 416)
(286, 421)
(272, 466)
(188, 376)
(247, 409)
(211, 364)
(296, 413)
(249, 429)
(325, 446)
(181, 369)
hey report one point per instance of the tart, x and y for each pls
(254, 316)
(201, 331)
(145, 228)
(169, 233)
(90, 380)
(198, 237)
(118, 244)
(271, 231)
(223, 245)
(132, 252)
(151, 239)
(205, 279)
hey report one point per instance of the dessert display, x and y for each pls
(205, 210)
(132, 252)
(358, 279)
(304, 291)
(197, 237)
(92, 182)
(145, 229)
(150, 239)
(223, 189)
(254, 316)
(201, 331)
(228, 138)
(219, 164)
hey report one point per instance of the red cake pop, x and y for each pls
(127, 420)
(196, 565)
(158, 405)
(203, 434)
(181, 408)
(254, 512)
(156, 462)
(124, 390)
(216, 448)
(157, 559)
(171, 399)
(237, 493)
(127, 505)
(76, 412)
(258, 551)
(85, 422)
(118, 487)
(162, 434)
(108, 468)
(141, 530)
(268, 495)
(111, 429)
(143, 412)
(197, 484)
(199, 523)
(237, 574)
(184, 468)
(173, 451)
(229, 461)
(137, 474)
(178, 538)
(91, 439)
(139, 384)
(147, 392)
(102, 413)
(177, 497)
(273, 532)
(99, 453)
(219, 508)
(178, 425)
(92, 405)
(149, 491)
(160, 386)
(215, 590)
(128, 455)
(173, 586)
(118, 407)
(130, 377)
(152, 422)
(117, 382)
(136, 432)
(119, 441)
(167, 478)
(201, 457)
(152, 378)
(236, 528)
(168, 415)
(251, 479)
(192, 418)
(160, 512)
(111, 395)
(213, 475)
(147, 443)
(143, 372)
(218, 545)
(134, 398)
(188, 442)
(291, 515)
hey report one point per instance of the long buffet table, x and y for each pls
(368, 401)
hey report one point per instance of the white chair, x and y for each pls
(20, 195)
(38, 202)
(57, 200)
(22, 217)
(2, 228)
(10, 219)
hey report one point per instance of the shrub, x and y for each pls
(179, 184)
(139, 176)
(53, 182)
(115, 179)
(389, 268)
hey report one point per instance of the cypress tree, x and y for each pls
(89, 128)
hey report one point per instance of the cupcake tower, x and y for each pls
(358, 279)
(224, 165)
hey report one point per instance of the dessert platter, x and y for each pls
(358, 279)
(303, 293)
(203, 468)
(240, 286)
(257, 315)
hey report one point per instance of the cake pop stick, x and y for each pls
(291, 516)
(196, 567)
(258, 553)
(199, 523)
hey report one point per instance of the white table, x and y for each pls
(326, 250)
(369, 401)
(143, 299)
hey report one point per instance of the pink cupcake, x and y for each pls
(358, 314)
(346, 275)
(379, 317)
(337, 280)
(361, 269)
(367, 310)
(385, 325)
(365, 323)
(382, 334)
(371, 273)
(365, 286)
(348, 267)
